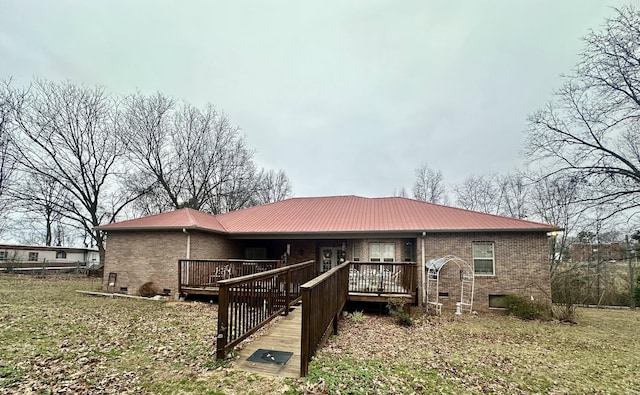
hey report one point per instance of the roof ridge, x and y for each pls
(190, 216)
(194, 221)
(215, 217)
(324, 197)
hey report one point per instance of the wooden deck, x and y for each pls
(199, 290)
(379, 297)
(284, 335)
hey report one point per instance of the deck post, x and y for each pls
(336, 313)
(223, 321)
(179, 278)
(287, 293)
(305, 345)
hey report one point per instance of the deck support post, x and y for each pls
(223, 321)
(179, 277)
(287, 293)
(305, 346)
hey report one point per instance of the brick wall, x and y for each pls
(521, 259)
(521, 265)
(142, 256)
(214, 246)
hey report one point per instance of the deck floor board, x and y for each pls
(284, 335)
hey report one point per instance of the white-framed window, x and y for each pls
(61, 255)
(483, 258)
(3, 255)
(33, 256)
(382, 252)
(355, 253)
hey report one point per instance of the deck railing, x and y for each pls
(247, 303)
(382, 277)
(323, 298)
(201, 273)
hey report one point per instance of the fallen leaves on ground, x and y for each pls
(481, 354)
(56, 341)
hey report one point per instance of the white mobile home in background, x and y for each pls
(51, 255)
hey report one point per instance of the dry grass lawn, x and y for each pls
(54, 340)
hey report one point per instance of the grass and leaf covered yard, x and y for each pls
(53, 339)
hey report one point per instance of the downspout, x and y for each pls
(424, 291)
(188, 243)
(188, 256)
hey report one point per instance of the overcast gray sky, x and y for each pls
(347, 97)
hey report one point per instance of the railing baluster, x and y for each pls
(253, 299)
(323, 298)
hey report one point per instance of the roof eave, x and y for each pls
(156, 228)
(392, 231)
(494, 230)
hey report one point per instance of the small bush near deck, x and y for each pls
(356, 316)
(397, 309)
(147, 290)
(526, 309)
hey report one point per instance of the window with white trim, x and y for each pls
(33, 256)
(483, 258)
(382, 252)
(3, 255)
(61, 255)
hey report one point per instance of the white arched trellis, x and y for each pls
(432, 275)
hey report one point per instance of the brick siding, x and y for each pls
(152, 256)
(521, 265)
(521, 259)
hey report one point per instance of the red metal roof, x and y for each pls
(183, 218)
(359, 214)
(334, 214)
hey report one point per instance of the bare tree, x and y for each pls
(591, 128)
(513, 195)
(190, 157)
(69, 135)
(401, 192)
(273, 186)
(478, 193)
(429, 185)
(7, 163)
(152, 200)
(148, 143)
(41, 200)
(556, 201)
